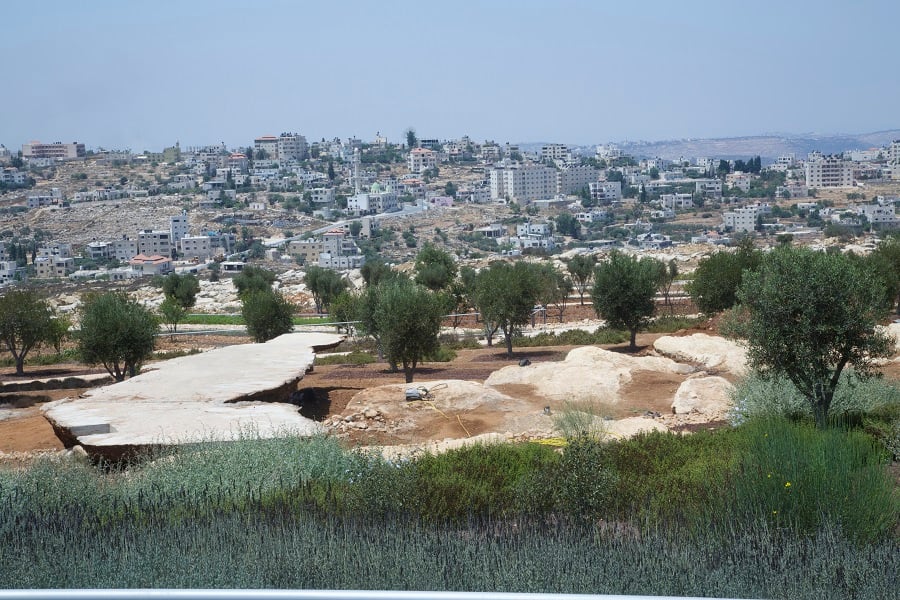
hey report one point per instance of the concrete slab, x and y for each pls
(219, 395)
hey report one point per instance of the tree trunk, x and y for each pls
(633, 345)
(489, 336)
(821, 405)
(20, 365)
(508, 336)
(408, 371)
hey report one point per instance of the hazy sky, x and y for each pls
(141, 75)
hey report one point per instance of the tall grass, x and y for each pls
(797, 475)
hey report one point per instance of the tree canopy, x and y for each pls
(623, 292)
(324, 284)
(117, 332)
(25, 323)
(581, 269)
(435, 269)
(809, 315)
(252, 279)
(408, 319)
(182, 288)
(505, 295)
(718, 276)
(267, 314)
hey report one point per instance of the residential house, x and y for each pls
(605, 192)
(153, 264)
(53, 267)
(828, 171)
(421, 159)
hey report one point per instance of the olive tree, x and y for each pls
(252, 279)
(624, 287)
(435, 269)
(267, 314)
(181, 288)
(504, 295)
(325, 285)
(408, 319)
(581, 269)
(718, 276)
(117, 332)
(25, 323)
(808, 316)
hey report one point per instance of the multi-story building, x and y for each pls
(12, 176)
(54, 197)
(739, 180)
(153, 264)
(265, 146)
(55, 250)
(178, 227)
(421, 159)
(8, 270)
(322, 195)
(53, 267)
(829, 171)
(154, 242)
(523, 182)
(878, 215)
(55, 151)
(292, 146)
(197, 246)
(676, 201)
(124, 249)
(98, 250)
(556, 153)
(339, 251)
(306, 251)
(572, 179)
(605, 192)
(709, 188)
(741, 219)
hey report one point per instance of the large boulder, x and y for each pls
(587, 374)
(710, 396)
(712, 353)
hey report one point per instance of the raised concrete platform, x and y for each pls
(219, 395)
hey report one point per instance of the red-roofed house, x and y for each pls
(151, 265)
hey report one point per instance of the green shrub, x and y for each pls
(442, 354)
(756, 396)
(666, 477)
(586, 485)
(355, 357)
(572, 337)
(673, 323)
(797, 475)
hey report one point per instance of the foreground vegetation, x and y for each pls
(768, 509)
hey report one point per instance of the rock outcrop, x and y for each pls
(711, 353)
(222, 394)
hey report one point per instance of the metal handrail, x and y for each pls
(260, 594)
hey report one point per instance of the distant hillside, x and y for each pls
(769, 147)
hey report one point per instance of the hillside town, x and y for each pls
(69, 213)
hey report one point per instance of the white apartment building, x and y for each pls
(829, 171)
(710, 188)
(556, 153)
(739, 180)
(606, 191)
(56, 150)
(339, 252)
(13, 176)
(523, 183)
(570, 180)
(676, 201)
(878, 215)
(43, 198)
(421, 159)
(526, 229)
(154, 242)
(8, 271)
(197, 246)
(742, 219)
(98, 250)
